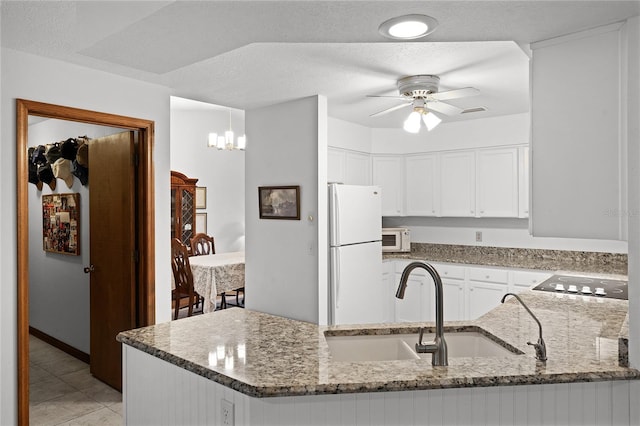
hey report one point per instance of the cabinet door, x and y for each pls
(497, 177)
(576, 144)
(523, 280)
(421, 186)
(458, 189)
(357, 169)
(388, 174)
(483, 297)
(410, 309)
(336, 162)
(453, 294)
(389, 286)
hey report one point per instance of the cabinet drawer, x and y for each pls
(529, 278)
(499, 276)
(450, 271)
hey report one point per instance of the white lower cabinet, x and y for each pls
(523, 280)
(389, 285)
(486, 287)
(454, 291)
(416, 304)
(468, 291)
(454, 297)
(483, 297)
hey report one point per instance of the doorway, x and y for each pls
(144, 219)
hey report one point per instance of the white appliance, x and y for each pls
(396, 240)
(355, 230)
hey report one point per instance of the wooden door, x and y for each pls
(113, 251)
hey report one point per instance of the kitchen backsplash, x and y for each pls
(598, 262)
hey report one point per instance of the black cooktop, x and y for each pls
(585, 286)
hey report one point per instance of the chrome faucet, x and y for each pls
(540, 347)
(437, 348)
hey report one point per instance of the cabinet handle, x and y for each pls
(487, 277)
(481, 211)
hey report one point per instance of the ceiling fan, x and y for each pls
(421, 93)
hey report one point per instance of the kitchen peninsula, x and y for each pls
(275, 370)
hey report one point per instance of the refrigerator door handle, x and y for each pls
(335, 223)
(335, 273)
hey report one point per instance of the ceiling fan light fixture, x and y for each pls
(431, 120)
(412, 123)
(408, 27)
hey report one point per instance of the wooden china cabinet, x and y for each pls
(183, 207)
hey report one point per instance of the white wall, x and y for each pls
(478, 133)
(221, 172)
(286, 259)
(57, 280)
(347, 135)
(41, 79)
(495, 233)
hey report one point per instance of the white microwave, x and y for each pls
(396, 240)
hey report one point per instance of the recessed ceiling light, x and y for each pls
(408, 27)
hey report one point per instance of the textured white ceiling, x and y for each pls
(246, 54)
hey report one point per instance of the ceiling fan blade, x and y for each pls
(387, 96)
(444, 108)
(393, 108)
(454, 94)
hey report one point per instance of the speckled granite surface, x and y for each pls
(263, 355)
(552, 260)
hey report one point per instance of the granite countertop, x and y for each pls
(549, 260)
(263, 355)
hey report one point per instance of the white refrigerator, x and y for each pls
(355, 228)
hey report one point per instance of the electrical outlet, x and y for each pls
(478, 236)
(226, 413)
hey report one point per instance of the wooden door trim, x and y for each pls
(146, 220)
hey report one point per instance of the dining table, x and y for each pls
(217, 273)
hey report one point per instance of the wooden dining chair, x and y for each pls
(182, 276)
(202, 244)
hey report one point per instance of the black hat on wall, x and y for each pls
(38, 157)
(69, 149)
(45, 174)
(33, 170)
(81, 172)
(53, 152)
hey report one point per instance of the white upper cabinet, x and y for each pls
(457, 184)
(348, 167)
(336, 162)
(497, 180)
(387, 172)
(421, 185)
(357, 168)
(577, 144)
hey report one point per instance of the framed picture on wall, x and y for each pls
(201, 197)
(201, 222)
(279, 202)
(61, 223)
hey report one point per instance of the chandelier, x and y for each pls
(226, 141)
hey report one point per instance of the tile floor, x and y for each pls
(63, 392)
